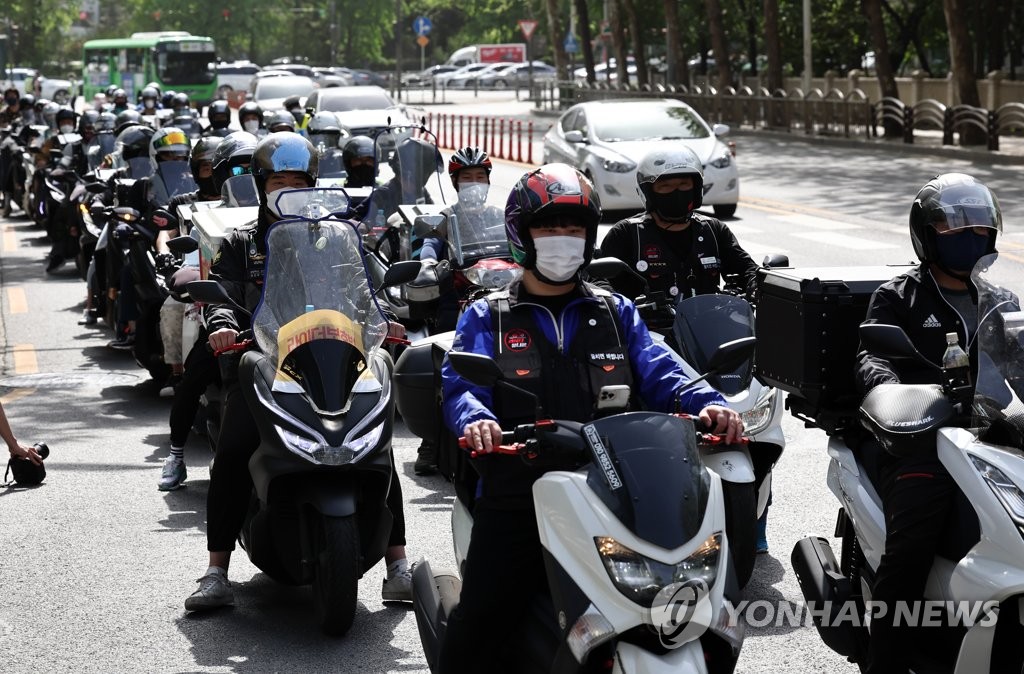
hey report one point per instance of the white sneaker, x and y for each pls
(214, 591)
(173, 475)
(398, 587)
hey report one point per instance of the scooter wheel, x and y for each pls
(336, 579)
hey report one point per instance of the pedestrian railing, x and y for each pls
(817, 112)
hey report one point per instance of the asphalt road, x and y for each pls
(96, 563)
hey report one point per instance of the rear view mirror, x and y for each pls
(889, 341)
(775, 260)
(211, 292)
(575, 136)
(96, 188)
(425, 225)
(480, 369)
(729, 356)
(183, 245)
(401, 272)
(164, 221)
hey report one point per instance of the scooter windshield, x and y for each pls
(999, 392)
(331, 165)
(171, 179)
(408, 170)
(317, 320)
(99, 148)
(646, 469)
(139, 167)
(476, 230)
(240, 191)
(704, 322)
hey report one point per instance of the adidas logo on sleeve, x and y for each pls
(931, 322)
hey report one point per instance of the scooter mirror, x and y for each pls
(164, 221)
(889, 340)
(729, 356)
(211, 292)
(97, 210)
(775, 260)
(424, 225)
(183, 245)
(96, 188)
(480, 369)
(401, 272)
(619, 274)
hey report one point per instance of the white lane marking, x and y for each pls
(814, 222)
(843, 241)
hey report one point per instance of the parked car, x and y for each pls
(235, 77)
(57, 90)
(362, 111)
(607, 139)
(293, 68)
(444, 79)
(270, 92)
(603, 75)
(468, 80)
(365, 78)
(517, 75)
(426, 76)
(332, 77)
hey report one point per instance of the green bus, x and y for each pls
(173, 59)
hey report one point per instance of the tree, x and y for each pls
(962, 66)
(555, 33)
(883, 64)
(773, 47)
(637, 38)
(618, 41)
(583, 28)
(678, 72)
(719, 43)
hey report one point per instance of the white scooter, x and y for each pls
(640, 593)
(979, 571)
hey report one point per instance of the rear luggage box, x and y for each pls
(807, 341)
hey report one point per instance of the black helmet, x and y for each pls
(250, 108)
(552, 189)
(110, 90)
(281, 118)
(204, 150)
(107, 121)
(65, 114)
(120, 96)
(127, 118)
(292, 102)
(219, 114)
(168, 98)
(357, 146)
(283, 152)
(89, 119)
(27, 101)
(233, 151)
(952, 201)
(180, 101)
(324, 121)
(465, 158)
(133, 141)
(678, 162)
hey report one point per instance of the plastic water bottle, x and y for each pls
(309, 308)
(956, 363)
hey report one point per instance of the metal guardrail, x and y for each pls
(831, 113)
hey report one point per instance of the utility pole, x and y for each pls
(396, 86)
(333, 60)
(807, 47)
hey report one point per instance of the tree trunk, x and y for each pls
(773, 48)
(998, 14)
(637, 38)
(555, 33)
(677, 69)
(618, 41)
(963, 70)
(883, 64)
(719, 44)
(583, 28)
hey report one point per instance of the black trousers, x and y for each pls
(200, 371)
(231, 485)
(917, 497)
(504, 571)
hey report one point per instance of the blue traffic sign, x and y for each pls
(422, 25)
(571, 44)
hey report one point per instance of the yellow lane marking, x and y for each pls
(25, 359)
(1018, 258)
(16, 394)
(10, 240)
(16, 302)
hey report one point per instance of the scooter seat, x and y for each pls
(906, 418)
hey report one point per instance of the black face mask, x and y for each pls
(219, 123)
(360, 176)
(207, 186)
(11, 101)
(674, 206)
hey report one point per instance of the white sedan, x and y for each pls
(607, 139)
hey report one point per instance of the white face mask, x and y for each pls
(66, 128)
(272, 201)
(559, 257)
(251, 125)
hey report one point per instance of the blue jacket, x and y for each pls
(657, 375)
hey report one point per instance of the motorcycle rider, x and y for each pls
(680, 252)
(280, 161)
(551, 221)
(470, 171)
(293, 104)
(11, 114)
(149, 101)
(954, 222)
(219, 114)
(360, 161)
(250, 116)
(120, 101)
(281, 121)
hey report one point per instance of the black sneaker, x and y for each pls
(123, 343)
(54, 263)
(426, 459)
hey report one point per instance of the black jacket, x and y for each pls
(239, 267)
(714, 252)
(913, 302)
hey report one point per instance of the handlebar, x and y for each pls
(242, 345)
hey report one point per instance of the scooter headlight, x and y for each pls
(363, 442)
(641, 578)
(1008, 493)
(757, 418)
(315, 450)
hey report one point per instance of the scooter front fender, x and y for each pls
(732, 465)
(687, 659)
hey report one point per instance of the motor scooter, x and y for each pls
(975, 587)
(319, 388)
(632, 526)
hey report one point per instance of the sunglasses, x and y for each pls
(240, 170)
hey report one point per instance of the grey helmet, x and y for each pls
(676, 161)
(281, 152)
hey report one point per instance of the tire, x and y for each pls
(725, 210)
(741, 527)
(500, 84)
(336, 578)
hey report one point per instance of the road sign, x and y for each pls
(527, 26)
(421, 26)
(423, 40)
(571, 44)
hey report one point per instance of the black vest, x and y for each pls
(568, 383)
(698, 274)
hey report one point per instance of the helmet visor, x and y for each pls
(963, 206)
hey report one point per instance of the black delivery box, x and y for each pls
(807, 335)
